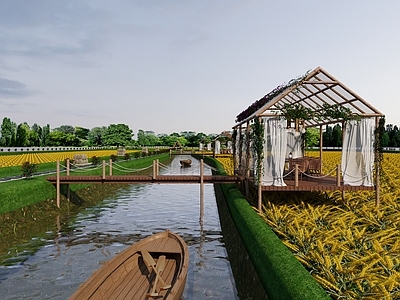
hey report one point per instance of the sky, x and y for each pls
(184, 65)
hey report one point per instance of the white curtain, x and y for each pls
(209, 147)
(358, 152)
(229, 147)
(294, 141)
(275, 145)
(201, 147)
(217, 147)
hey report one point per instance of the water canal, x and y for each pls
(85, 241)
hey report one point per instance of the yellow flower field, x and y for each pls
(351, 248)
(45, 157)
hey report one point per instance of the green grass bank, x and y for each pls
(280, 273)
(16, 194)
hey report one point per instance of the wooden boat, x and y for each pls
(154, 268)
(186, 163)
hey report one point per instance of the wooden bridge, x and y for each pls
(201, 179)
(145, 179)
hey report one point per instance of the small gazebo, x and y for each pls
(268, 137)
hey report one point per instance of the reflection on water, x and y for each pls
(67, 256)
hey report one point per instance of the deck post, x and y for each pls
(154, 170)
(338, 171)
(104, 169)
(67, 162)
(58, 184)
(377, 165)
(110, 166)
(296, 175)
(320, 148)
(157, 167)
(201, 190)
(68, 189)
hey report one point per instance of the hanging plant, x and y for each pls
(297, 111)
(271, 95)
(257, 136)
(338, 112)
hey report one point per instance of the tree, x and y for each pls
(96, 136)
(81, 132)
(33, 138)
(337, 136)
(45, 136)
(8, 132)
(59, 138)
(66, 129)
(385, 139)
(190, 137)
(118, 135)
(312, 137)
(35, 135)
(22, 135)
(148, 138)
(327, 137)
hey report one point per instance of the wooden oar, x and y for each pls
(148, 259)
(160, 268)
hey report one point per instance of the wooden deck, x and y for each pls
(306, 184)
(316, 184)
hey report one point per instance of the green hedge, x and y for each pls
(281, 274)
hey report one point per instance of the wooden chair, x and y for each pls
(302, 163)
(314, 166)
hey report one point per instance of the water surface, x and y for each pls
(83, 243)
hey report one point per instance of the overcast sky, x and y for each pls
(180, 65)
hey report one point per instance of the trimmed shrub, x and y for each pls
(95, 160)
(28, 169)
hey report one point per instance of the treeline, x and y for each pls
(24, 135)
(332, 136)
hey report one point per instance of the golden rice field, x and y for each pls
(351, 248)
(46, 157)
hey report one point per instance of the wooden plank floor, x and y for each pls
(316, 184)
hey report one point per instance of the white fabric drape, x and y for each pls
(217, 147)
(275, 136)
(229, 147)
(294, 141)
(358, 152)
(201, 147)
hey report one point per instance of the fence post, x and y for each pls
(104, 169)
(110, 167)
(154, 170)
(201, 191)
(338, 170)
(67, 166)
(296, 175)
(58, 184)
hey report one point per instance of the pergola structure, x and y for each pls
(313, 100)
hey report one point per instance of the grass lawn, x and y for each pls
(20, 193)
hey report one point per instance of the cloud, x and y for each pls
(51, 30)
(13, 89)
